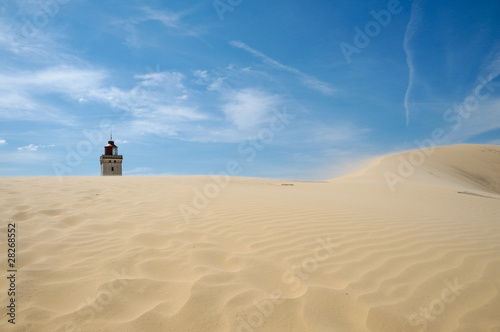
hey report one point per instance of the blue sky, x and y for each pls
(287, 89)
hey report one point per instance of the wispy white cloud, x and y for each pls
(132, 39)
(33, 147)
(155, 95)
(159, 103)
(168, 19)
(39, 48)
(307, 80)
(411, 29)
(248, 108)
(24, 107)
(24, 92)
(61, 79)
(173, 22)
(202, 77)
(2, 142)
(75, 82)
(166, 80)
(216, 84)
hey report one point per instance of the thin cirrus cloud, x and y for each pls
(170, 20)
(411, 30)
(174, 21)
(173, 79)
(34, 147)
(159, 103)
(155, 96)
(483, 63)
(61, 80)
(212, 83)
(42, 47)
(307, 80)
(247, 108)
(25, 93)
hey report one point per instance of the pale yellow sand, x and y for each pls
(117, 254)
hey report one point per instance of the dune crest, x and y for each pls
(466, 166)
(194, 253)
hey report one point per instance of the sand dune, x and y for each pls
(194, 253)
(474, 167)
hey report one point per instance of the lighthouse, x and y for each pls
(111, 161)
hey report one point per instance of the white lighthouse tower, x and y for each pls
(111, 161)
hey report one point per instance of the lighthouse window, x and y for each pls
(112, 169)
(114, 161)
(110, 161)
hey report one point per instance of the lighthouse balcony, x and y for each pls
(110, 156)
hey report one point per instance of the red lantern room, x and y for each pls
(111, 149)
